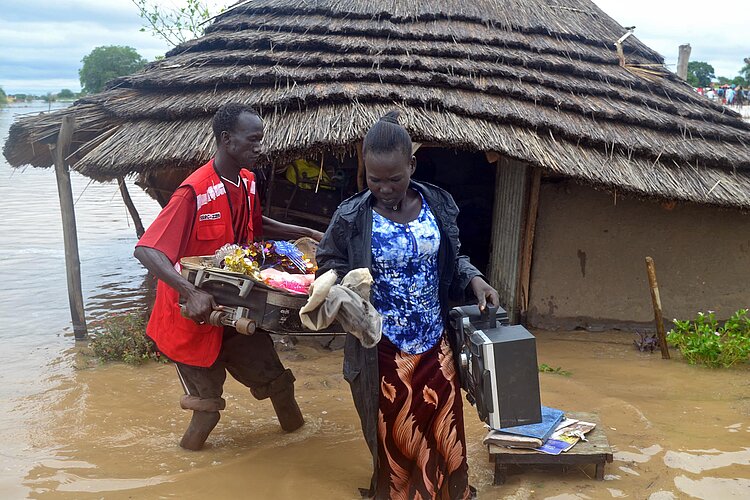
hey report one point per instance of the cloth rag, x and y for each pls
(347, 302)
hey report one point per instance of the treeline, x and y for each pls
(63, 95)
(701, 74)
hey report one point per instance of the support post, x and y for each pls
(70, 234)
(528, 241)
(656, 301)
(139, 230)
(269, 190)
(682, 60)
(360, 168)
(507, 219)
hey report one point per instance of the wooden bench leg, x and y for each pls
(501, 473)
(600, 471)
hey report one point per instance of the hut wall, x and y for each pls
(588, 265)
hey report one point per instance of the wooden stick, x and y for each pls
(70, 233)
(656, 301)
(360, 168)
(320, 173)
(139, 230)
(528, 240)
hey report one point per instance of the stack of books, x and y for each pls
(554, 435)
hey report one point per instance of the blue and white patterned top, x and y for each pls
(406, 282)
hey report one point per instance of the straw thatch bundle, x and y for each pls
(536, 80)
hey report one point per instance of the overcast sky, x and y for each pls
(43, 41)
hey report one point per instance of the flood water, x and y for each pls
(111, 431)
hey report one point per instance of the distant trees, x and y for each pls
(700, 74)
(66, 94)
(106, 63)
(745, 71)
(3, 97)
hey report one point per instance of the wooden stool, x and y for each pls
(594, 451)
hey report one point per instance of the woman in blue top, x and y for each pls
(406, 390)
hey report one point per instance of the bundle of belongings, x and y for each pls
(278, 264)
(347, 302)
(554, 435)
(287, 268)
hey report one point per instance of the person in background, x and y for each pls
(217, 204)
(406, 389)
(739, 97)
(729, 95)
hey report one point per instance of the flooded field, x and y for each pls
(75, 431)
(111, 431)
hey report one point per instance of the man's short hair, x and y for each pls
(225, 118)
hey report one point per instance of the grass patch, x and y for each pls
(122, 337)
(545, 368)
(704, 341)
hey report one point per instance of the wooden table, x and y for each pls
(594, 451)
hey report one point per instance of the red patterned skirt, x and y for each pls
(421, 442)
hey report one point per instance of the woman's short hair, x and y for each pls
(225, 118)
(387, 135)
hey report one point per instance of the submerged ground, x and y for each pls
(677, 431)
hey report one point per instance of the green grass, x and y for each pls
(545, 368)
(122, 337)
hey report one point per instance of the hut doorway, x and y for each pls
(470, 179)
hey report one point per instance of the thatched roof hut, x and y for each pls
(538, 81)
(551, 90)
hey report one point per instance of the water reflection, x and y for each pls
(697, 462)
(34, 311)
(710, 488)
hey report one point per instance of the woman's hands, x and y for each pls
(484, 293)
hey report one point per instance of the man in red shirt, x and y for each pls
(215, 205)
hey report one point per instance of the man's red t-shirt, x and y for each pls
(170, 231)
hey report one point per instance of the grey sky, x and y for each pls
(44, 41)
(716, 31)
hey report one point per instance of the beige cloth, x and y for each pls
(348, 303)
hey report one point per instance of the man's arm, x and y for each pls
(199, 303)
(275, 230)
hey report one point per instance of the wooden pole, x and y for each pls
(682, 60)
(70, 235)
(656, 301)
(360, 168)
(528, 241)
(269, 190)
(139, 230)
(511, 189)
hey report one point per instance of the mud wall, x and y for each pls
(589, 250)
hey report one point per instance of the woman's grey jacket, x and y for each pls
(347, 245)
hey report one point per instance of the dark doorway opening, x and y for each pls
(470, 179)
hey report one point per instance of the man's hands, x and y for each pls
(275, 230)
(316, 235)
(484, 293)
(200, 305)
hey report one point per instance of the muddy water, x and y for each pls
(676, 431)
(111, 431)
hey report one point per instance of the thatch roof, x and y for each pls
(537, 80)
